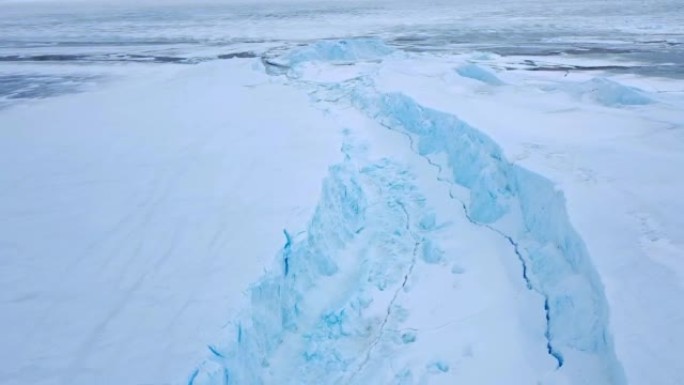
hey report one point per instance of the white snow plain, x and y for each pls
(384, 208)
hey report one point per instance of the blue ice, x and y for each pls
(346, 50)
(476, 161)
(473, 71)
(373, 208)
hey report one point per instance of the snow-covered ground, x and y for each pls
(342, 194)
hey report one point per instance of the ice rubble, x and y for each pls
(294, 333)
(610, 93)
(605, 92)
(475, 72)
(340, 51)
(521, 206)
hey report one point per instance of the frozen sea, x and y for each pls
(342, 193)
(89, 43)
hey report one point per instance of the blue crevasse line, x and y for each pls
(193, 376)
(286, 252)
(523, 263)
(549, 348)
(215, 351)
(516, 250)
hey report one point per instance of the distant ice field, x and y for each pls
(38, 40)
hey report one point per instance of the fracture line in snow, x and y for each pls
(395, 296)
(557, 356)
(554, 353)
(388, 313)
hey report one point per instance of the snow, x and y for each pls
(606, 92)
(357, 281)
(115, 225)
(366, 199)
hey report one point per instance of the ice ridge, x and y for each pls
(344, 50)
(359, 248)
(554, 259)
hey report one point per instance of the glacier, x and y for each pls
(349, 193)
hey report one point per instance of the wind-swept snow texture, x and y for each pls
(518, 205)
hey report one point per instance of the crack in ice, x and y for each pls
(557, 356)
(388, 313)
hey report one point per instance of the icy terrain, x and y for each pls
(218, 195)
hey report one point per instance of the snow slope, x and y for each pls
(129, 233)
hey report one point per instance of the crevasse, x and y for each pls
(554, 259)
(555, 262)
